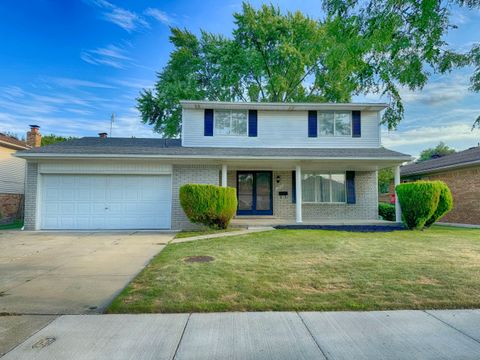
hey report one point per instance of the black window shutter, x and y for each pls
(312, 124)
(208, 123)
(356, 123)
(294, 187)
(350, 180)
(252, 123)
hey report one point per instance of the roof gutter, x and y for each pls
(13, 146)
(441, 168)
(187, 157)
(193, 104)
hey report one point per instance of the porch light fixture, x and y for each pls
(278, 179)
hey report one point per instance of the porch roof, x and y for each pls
(90, 147)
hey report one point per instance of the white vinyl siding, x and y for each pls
(279, 129)
(12, 172)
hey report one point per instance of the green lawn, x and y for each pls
(312, 270)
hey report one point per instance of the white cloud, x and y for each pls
(72, 83)
(159, 15)
(453, 88)
(432, 134)
(111, 55)
(126, 19)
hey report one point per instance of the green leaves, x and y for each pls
(286, 57)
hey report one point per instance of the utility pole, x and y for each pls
(112, 119)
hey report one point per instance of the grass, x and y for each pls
(185, 234)
(312, 270)
(17, 224)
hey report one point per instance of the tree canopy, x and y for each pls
(52, 139)
(438, 151)
(378, 47)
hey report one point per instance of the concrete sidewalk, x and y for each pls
(263, 335)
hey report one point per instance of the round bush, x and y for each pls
(418, 201)
(210, 205)
(386, 211)
(445, 203)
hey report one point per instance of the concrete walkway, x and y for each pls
(223, 234)
(262, 335)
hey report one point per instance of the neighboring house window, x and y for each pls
(231, 122)
(335, 123)
(323, 187)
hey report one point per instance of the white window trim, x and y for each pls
(334, 124)
(330, 173)
(230, 111)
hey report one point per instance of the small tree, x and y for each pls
(210, 205)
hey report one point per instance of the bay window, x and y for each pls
(334, 123)
(231, 122)
(323, 187)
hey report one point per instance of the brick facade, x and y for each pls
(30, 215)
(365, 208)
(189, 174)
(465, 187)
(11, 206)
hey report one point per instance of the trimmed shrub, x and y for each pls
(445, 203)
(386, 211)
(210, 205)
(418, 200)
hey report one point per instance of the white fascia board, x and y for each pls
(192, 104)
(199, 157)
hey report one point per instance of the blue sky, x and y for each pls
(66, 65)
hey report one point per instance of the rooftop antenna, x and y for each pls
(112, 119)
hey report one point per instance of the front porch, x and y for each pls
(306, 192)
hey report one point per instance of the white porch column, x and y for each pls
(298, 191)
(224, 175)
(396, 181)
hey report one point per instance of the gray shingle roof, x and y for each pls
(173, 147)
(458, 159)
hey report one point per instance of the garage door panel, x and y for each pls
(106, 202)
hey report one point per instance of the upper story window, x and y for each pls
(335, 123)
(231, 122)
(323, 187)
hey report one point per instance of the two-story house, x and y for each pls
(298, 162)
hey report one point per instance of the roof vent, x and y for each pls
(103, 135)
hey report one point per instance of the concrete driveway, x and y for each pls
(47, 274)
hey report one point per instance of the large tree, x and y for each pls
(53, 139)
(378, 47)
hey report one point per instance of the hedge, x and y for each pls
(210, 205)
(386, 211)
(445, 203)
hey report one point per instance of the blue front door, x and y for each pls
(254, 193)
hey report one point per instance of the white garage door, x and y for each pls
(106, 202)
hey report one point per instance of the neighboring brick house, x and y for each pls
(12, 174)
(461, 172)
(296, 162)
